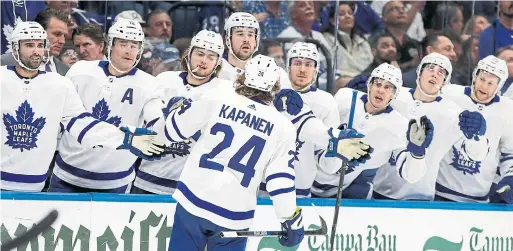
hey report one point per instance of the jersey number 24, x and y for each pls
(255, 144)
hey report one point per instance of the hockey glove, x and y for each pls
(142, 143)
(348, 147)
(506, 189)
(472, 124)
(419, 136)
(294, 229)
(358, 83)
(289, 100)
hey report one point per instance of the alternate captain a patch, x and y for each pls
(22, 130)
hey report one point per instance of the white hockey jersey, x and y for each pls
(228, 71)
(463, 179)
(443, 114)
(34, 112)
(161, 176)
(243, 142)
(385, 132)
(131, 99)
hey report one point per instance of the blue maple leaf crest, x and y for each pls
(101, 112)
(462, 163)
(23, 130)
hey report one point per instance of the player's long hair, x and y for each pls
(183, 64)
(266, 97)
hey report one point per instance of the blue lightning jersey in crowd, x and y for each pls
(130, 99)
(385, 132)
(463, 179)
(34, 112)
(443, 114)
(161, 176)
(243, 142)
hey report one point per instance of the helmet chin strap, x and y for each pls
(425, 93)
(370, 103)
(118, 70)
(191, 71)
(18, 60)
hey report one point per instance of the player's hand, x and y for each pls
(290, 100)
(358, 83)
(419, 136)
(472, 124)
(348, 147)
(294, 229)
(506, 189)
(142, 142)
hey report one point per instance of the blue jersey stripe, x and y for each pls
(86, 129)
(22, 178)
(205, 205)
(280, 175)
(157, 180)
(72, 121)
(91, 175)
(296, 119)
(282, 191)
(176, 127)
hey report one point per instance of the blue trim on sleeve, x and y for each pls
(205, 205)
(280, 175)
(282, 191)
(301, 126)
(446, 190)
(303, 192)
(401, 169)
(351, 111)
(72, 121)
(151, 123)
(85, 130)
(92, 175)
(296, 119)
(157, 180)
(22, 178)
(175, 127)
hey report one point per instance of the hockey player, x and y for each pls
(202, 61)
(245, 140)
(389, 132)
(465, 179)
(433, 72)
(242, 35)
(116, 92)
(37, 104)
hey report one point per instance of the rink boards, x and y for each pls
(139, 222)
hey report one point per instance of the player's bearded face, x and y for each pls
(243, 42)
(432, 78)
(485, 86)
(203, 62)
(381, 93)
(32, 52)
(301, 72)
(124, 54)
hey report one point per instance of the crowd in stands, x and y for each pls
(369, 33)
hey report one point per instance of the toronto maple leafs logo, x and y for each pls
(178, 149)
(7, 30)
(101, 112)
(463, 163)
(23, 130)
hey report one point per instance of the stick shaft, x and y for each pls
(235, 234)
(337, 207)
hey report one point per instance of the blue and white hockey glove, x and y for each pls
(348, 147)
(177, 102)
(358, 83)
(142, 143)
(290, 100)
(294, 228)
(419, 136)
(506, 189)
(472, 124)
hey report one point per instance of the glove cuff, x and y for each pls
(416, 151)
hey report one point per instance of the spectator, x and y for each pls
(182, 44)
(506, 54)
(89, 42)
(302, 17)
(273, 49)
(158, 25)
(354, 52)
(416, 29)
(159, 54)
(474, 27)
(440, 43)
(211, 16)
(272, 16)
(131, 15)
(468, 60)
(13, 12)
(396, 23)
(448, 16)
(55, 23)
(68, 56)
(500, 33)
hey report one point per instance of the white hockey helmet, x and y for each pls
(261, 73)
(388, 73)
(492, 65)
(437, 59)
(208, 40)
(304, 50)
(129, 30)
(241, 19)
(28, 31)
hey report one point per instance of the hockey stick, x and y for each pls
(39, 228)
(244, 234)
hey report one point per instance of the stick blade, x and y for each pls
(324, 227)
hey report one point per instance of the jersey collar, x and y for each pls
(494, 99)
(105, 66)
(183, 76)
(310, 89)
(437, 99)
(13, 68)
(365, 98)
(258, 100)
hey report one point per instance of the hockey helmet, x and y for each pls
(261, 73)
(28, 31)
(241, 19)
